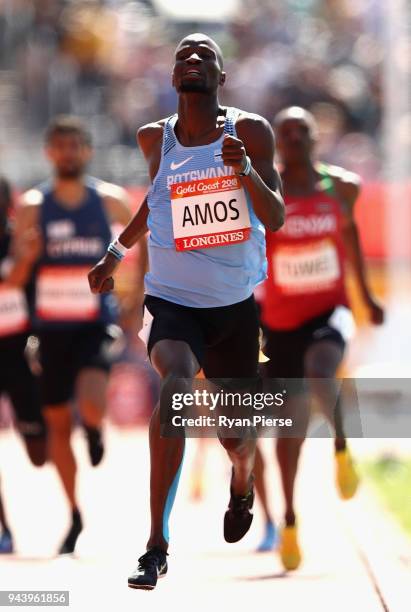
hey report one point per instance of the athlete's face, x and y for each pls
(197, 67)
(68, 154)
(295, 140)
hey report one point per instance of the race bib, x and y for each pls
(306, 268)
(14, 316)
(63, 294)
(209, 213)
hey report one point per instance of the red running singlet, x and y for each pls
(306, 262)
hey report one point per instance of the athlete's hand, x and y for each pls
(100, 277)
(376, 312)
(234, 153)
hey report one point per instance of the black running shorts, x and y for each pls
(21, 386)
(286, 349)
(65, 352)
(224, 339)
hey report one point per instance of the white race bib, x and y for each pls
(306, 268)
(14, 316)
(209, 213)
(63, 293)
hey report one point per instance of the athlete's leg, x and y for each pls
(173, 359)
(261, 489)
(57, 388)
(233, 356)
(288, 455)
(91, 396)
(288, 451)
(321, 361)
(236, 357)
(22, 388)
(270, 535)
(93, 356)
(198, 469)
(59, 425)
(285, 350)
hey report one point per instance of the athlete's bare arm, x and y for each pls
(348, 185)
(26, 242)
(149, 138)
(256, 139)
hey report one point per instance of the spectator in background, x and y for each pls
(101, 63)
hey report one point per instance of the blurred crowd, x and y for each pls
(110, 62)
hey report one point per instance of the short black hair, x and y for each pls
(299, 113)
(68, 124)
(5, 190)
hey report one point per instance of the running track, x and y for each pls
(355, 558)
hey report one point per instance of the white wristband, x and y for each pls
(247, 168)
(117, 249)
(123, 250)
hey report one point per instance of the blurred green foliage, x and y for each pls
(391, 477)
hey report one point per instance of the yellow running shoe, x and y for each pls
(346, 475)
(289, 549)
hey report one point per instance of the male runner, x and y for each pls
(75, 328)
(201, 299)
(304, 307)
(16, 378)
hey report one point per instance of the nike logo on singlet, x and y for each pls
(175, 166)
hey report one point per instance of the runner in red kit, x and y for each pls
(304, 306)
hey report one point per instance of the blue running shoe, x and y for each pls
(270, 538)
(151, 566)
(6, 543)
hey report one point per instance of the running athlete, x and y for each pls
(304, 307)
(206, 255)
(16, 378)
(73, 214)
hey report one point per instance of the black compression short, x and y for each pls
(224, 339)
(65, 352)
(286, 349)
(21, 386)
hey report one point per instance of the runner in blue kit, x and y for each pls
(16, 379)
(73, 214)
(214, 191)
